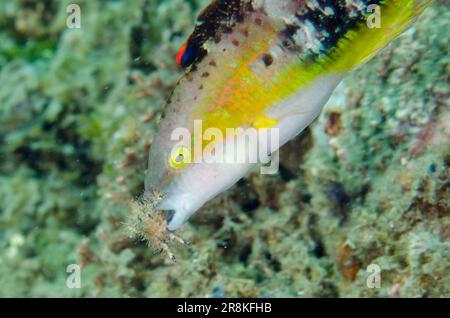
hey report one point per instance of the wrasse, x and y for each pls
(260, 64)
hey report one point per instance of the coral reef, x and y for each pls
(366, 184)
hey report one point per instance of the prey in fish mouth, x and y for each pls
(257, 71)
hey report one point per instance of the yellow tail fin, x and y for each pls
(360, 45)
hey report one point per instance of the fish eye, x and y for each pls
(179, 157)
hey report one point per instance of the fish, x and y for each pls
(267, 65)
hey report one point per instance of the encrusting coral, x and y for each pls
(146, 223)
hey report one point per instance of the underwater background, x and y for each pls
(366, 185)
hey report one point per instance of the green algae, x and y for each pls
(366, 184)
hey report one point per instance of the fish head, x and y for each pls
(180, 165)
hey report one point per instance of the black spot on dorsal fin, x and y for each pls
(217, 18)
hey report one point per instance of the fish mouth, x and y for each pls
(170, 215)
(179, 209)
(176, 218)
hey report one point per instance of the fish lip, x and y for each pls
(170, 215)
(177, 219)
(179, 209)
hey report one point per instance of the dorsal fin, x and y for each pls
(219, 17)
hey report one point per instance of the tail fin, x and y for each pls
(360, 45)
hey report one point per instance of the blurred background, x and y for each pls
(366, 184)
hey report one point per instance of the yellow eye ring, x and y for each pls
(179, 157)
